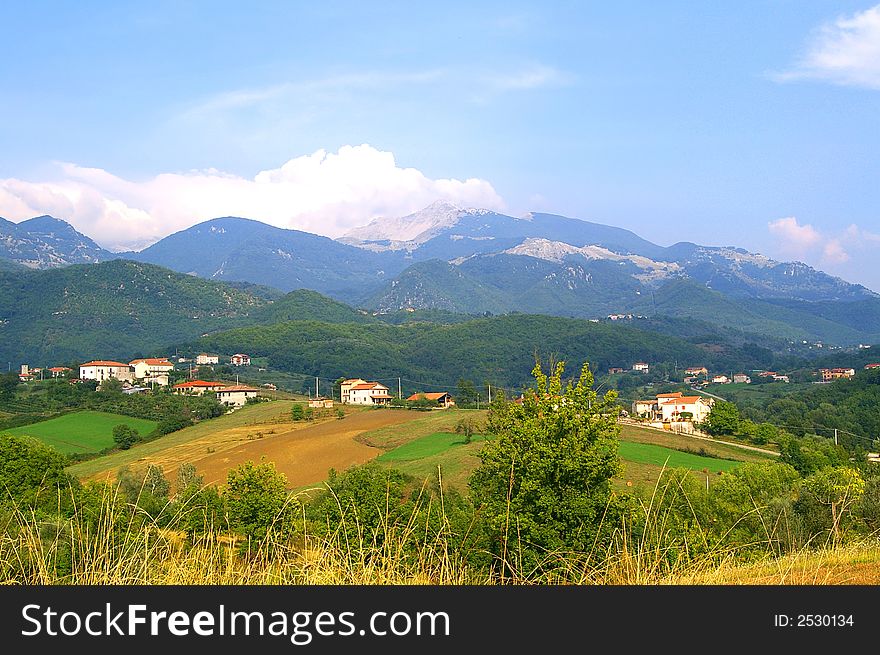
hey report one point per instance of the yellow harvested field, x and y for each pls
(303, 451)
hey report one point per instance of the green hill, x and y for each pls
(114, 309)
(500, 349)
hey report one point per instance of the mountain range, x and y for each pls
(475, 261)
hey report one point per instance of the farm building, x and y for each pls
(204, 358)
(236, 395)
(198, 387)
(104, 370)
(360, 392)
(441, 399)
(321, 403)
(240, 359)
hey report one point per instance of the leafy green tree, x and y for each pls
(31, 474)
(256, 499)
(837, 489)
(364, 502)
(723, 419)
(468, 427)
(809, 454)
(8, 384)
(467, 393)
(297, 412)
(747, 505)
(111, 386)
(544, 481)
(125, 436)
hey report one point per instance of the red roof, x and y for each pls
(161, 361)
(198, 384)
(367, 386)
(429, 396)
(102, 362)
(59, 369)
(237, 387)
(677, 394)
(872, 365)
(683, 400)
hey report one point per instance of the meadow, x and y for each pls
(82, 432)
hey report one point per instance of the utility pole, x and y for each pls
(399, 392)
(490, 393)
(317, 390)
(835, 437)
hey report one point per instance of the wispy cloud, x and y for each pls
(365, 81)
(844, 52)
(324, 192)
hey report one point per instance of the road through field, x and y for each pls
(303, 452)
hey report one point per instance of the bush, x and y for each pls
(125, 436)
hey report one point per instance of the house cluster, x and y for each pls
(146, 371)
(773, 375)
(231, 395)
(238, 359)
(670, 408)
(830, 374)
(26, 373)
(699, 376)
(638, 367)
(357, 391)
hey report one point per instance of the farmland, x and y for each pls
(303, 451)
(81, 432)
(416, 443)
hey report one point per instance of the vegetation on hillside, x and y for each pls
(540, 509)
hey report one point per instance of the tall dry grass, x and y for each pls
(113, 545)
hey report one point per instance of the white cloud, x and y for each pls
(845, 52)
(806, 243)
(325, 193)
(794, 238)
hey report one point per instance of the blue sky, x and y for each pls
(748, 123)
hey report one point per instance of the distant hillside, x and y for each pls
(115, 309)
(245, 250)
(499, 349)
(303, 305)
(47, 242)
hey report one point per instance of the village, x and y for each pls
(144, 375)
(675, 411)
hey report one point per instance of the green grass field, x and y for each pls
(81, 432)
(427, 446)
(659, 456)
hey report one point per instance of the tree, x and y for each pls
(111, 385)
(810, 454)
(467, 393)
(125, 436)
(256, 498)
(544, 481)
(297, 412)
(723, 419)
(468, 427)
(838, 489)
(8, 383)
(31, 473)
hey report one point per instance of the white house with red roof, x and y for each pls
(236, 395)
(102, 369)
(240, 359)
(361, 392)
(152, 370)
(59, 371)
(685, 408)
(198, 387)
(674, 407)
